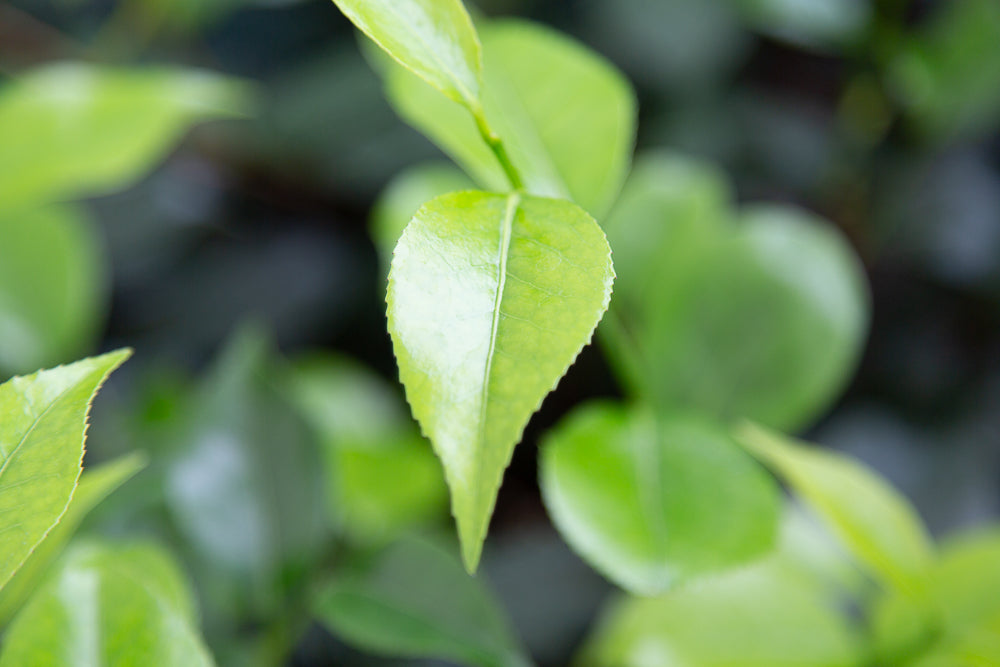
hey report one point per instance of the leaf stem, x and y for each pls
(499, 150)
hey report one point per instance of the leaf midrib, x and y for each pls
(506, 231)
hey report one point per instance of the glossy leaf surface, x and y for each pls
(540, 113)
(876, 524)
(491, 298)
(72, 129)
(761, 317)
(109, 606)
(415, 600)
(382, 477)
(95, 485)
(433, 38)
(43, 420)
(52, 287)
(651, 502)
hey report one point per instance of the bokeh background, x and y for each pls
(882, 116)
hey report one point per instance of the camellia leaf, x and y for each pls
(651, 501)
(52, 286)
(759, 616)
(382, 477)
(43, 419)
(433, 38)
(761, 318)
(876, 524)
(72, 129)
(527, 106)
(109, 606)
(416, 601)
(491, 298)
(95, 485)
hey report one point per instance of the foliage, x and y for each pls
(283, 495)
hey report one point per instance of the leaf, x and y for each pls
(435, 39)
(107, 606)
(382, 477)
(52, 286)
(244, 485)
(416, 601)
(406, 193)
(763, 319)
(491, 298)
(95, 485)
(652, 501)
(948, 71)
(72, 129)
(876, 524)
(754, 617)
(539, 113)
(43, 419)
(961, 614)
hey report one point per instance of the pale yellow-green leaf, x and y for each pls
(876, 524)
(491, 297)
(433, 38)
(43, 420)
(95, 485)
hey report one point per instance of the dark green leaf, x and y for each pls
(416, 601)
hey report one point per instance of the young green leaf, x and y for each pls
(416, 601)
(876, 524)
(52, 287)
(762, 320)
(754, 617)
(540, 114)
(653, 501)
(43, 420)
(490, 300)
(433, 38)
(95, 485)
(108, 606)
(72, 129)
(382, 477)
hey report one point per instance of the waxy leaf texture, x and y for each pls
(491, 297)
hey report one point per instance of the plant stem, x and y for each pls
(496, 145)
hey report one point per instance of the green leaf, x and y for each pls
(406, 193)
(948, 72)
(435, 39)
(961, 615)
(52, 287)
(43, 419)
(95, 485)
(108, 606)
(491, 298)
(69, 130)
(382, 477)
(651, 501)
(754, 617)
(416, 601)
(876, 524)
(763, 319)
(245, 485)
(529, 109)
